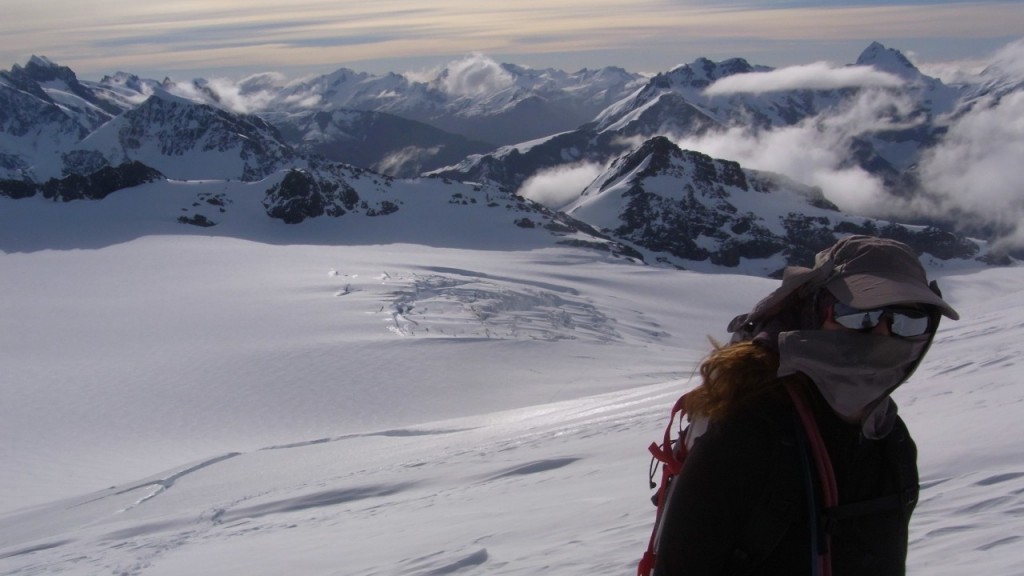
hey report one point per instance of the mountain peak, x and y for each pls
(42, 62)
(654, 155)
(42, 69)
(703, 72)
(888, 60)
(162, 95)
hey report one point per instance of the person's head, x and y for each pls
(857, 273)
(857, 323)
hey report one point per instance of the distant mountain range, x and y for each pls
(675, 103)
(312, 142)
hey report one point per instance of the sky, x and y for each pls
(228, 38)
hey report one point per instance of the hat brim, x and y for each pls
(866, 291)
(793, 279)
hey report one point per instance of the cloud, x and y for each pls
(234, 98)
(971, 176)
(816, 151)
(407, 160)
(951, 71)
(224, 93)
(816, 76)
(1009, 60)
(474, 75)
(974, 173)
(557, 187)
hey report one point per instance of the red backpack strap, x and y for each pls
(671, 455)
(823, 464)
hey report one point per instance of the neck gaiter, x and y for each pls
(855, 372)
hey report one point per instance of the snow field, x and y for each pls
(300, 431)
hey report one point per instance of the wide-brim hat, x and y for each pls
(864, 272)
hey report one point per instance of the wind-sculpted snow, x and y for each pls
(159, 485)
(377, 486)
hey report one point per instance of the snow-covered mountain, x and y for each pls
(475, 97)
(33, 127)
(392, 123)
(694, 210)
(1003, 77)
(383, 142)
(323, 204)
(69, 139)
(658, 204)
(59, 85)
(677, 104)
(190, 141)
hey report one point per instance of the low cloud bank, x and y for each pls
(407, 160)
(970, 177)
(557, 187)
(815, 76)
(1009, 60)
(237, 97)
(816, 151)
(974, 173)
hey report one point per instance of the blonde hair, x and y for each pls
(731, 375)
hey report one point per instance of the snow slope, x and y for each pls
(215, 405)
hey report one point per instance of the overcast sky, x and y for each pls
(192, 38)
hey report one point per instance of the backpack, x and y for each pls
(800, 442)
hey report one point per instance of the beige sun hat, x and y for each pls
(864, 272)
(872, 272)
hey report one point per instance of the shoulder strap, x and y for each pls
(671, 455)
(899, 451)
(826, 477)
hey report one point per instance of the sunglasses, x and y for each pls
(904, 321)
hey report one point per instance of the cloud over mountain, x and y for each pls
(815, 151)
(475, 75)
(815, 76)
(560, 185)
(974, 173)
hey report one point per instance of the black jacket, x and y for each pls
(741, 506)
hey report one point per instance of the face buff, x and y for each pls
(854, 372)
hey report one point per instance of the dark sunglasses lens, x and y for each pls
(859, 319)
(905, 322)
(909, 323)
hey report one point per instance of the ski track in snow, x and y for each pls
(128, 540)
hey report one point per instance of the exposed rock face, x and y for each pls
(302, 195)
(94, 186)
